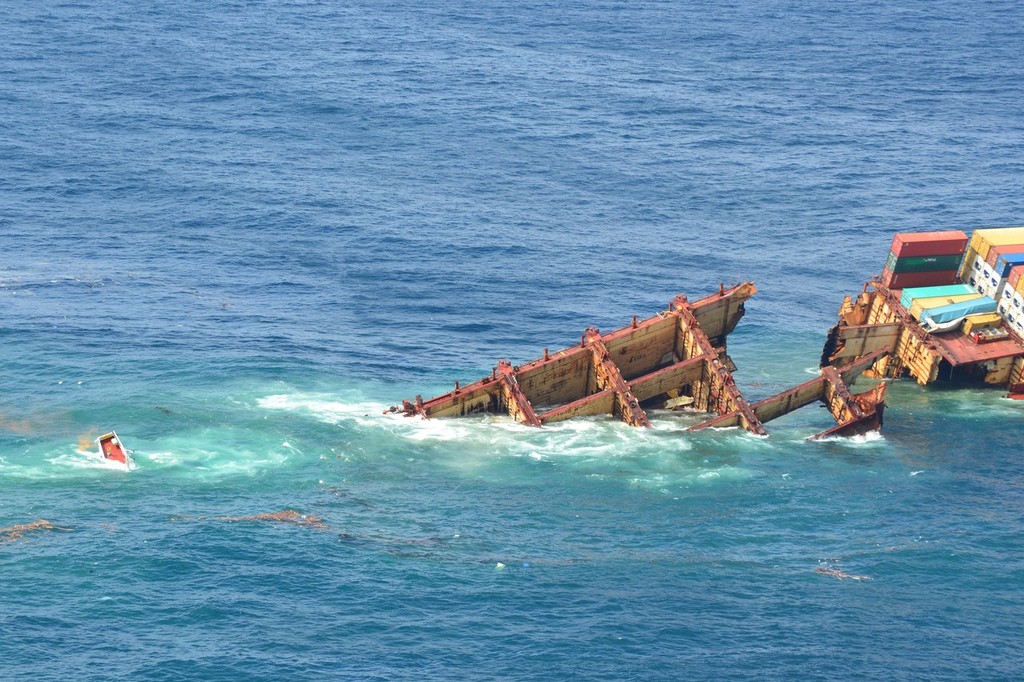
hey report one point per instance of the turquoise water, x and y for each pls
(237, 232)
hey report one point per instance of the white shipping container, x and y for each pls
(989, 282)
(1016, 306)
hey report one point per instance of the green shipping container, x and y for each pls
(922, 263)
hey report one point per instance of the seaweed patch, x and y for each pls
(18, 531)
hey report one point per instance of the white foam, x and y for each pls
(86, 459)
(871, 438)
(226, 460)
(325, 408)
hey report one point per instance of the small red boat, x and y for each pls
(112, 448)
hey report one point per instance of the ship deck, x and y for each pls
(956, 347)
(959, 349)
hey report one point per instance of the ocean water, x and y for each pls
(237, 232)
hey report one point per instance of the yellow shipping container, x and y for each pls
(921, 304)
(1016, 278)
(980, 321)
(983, 240)
(967, 263)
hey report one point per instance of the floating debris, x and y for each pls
(16, 532)
(111, 448)
(286, 516)
(839, 574)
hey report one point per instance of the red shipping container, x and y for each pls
(1016, 274)
(909, 244)
(919, 279)
(996, 251)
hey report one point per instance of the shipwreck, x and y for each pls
(946, 307)
(677, 357)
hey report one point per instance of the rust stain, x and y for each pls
(22, 427)
(87, 440)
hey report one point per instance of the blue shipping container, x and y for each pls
(955, 311)
(1007, 262)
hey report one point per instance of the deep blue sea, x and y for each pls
(236, 232)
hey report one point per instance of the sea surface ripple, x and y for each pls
(237, 232)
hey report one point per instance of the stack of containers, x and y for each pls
(1011, 304)
(976, 270)
(923, 259)
(922, 305)
(989, 276)
(935, 318)
(909, 296)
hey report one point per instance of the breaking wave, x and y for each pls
(664, 456)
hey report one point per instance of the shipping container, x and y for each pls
(918, 279)
(918, 305)
(922, 263)
(912, 244)
(955, 311)
(1007, 262)
(1016, 278)
(981, 321)
(910, 295)
(983, 240)
(1017, 302)
(996, 251)
(965, 266)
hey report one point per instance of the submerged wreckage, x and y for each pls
(945, 308)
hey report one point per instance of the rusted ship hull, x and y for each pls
(875, 320)
(960, 318)
(680, 353)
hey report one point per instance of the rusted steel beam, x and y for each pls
(626, 406)
(850, 372)
(858, 341)
(911, 325)
(722, 421)
(774, 407)
(854, 414)
(483, 396)
(719, 313)
(914, 349)
(793, 399)
(670, 378)
(642, 349)
(1015, 383)
(838, 398)
(598, 403)
(870, 408)
(515, 401)
(719, 394)
(556, 378)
